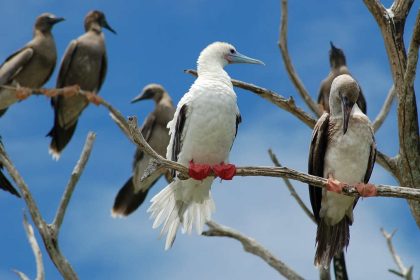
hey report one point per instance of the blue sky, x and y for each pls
(156, 40)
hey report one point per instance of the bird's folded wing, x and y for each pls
(14, 64)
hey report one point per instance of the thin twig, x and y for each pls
(289, 65)
(40, 273)
(292, 188)
(273, 97)
(386, 107)
(406, 273)
(21, 275)
(74, 178)
(252, 246)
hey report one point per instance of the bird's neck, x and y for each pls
(94, 27)
(165, 101)
(42, 33)
(213, 72)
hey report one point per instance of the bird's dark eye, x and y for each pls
(232, 51)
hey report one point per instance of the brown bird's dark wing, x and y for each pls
(361, 102)
(6, 185)
(14, 64)
(316, 160)
(179, 127)
(146, 131)
(371, 162)
(323, 96)
(65, 63)
(102, 73)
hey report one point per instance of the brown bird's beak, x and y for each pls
(57, 20)
(347, 106)
(107, 26)
(148, 94)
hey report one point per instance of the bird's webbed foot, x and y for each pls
(23, 93)
(224, 171)
(198, 171)
(93, 98)
(366, 190)
(334, 185)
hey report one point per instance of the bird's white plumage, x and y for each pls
(207, 136)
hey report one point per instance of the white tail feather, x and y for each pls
(185, 202)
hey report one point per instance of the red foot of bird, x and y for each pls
(366, 190)
(93, 98)
(334, 185)
(199, 171)
(23, 93)
(224, 171)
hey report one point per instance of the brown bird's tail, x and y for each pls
(6, 185)
(128, 200)
(331, 241)
(60, 138)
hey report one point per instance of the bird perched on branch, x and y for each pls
(343, 150)
(84, 64)
(156, 133)
(202, 133)
(338, 67)
(32, 65)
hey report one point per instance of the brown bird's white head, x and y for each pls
(343, 96)
(151, 91)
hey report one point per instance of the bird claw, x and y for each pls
(366, 190)
(198, 171)
(224, 171)
(22, 93)
(93, 98)
(71, 90)
(334, 185)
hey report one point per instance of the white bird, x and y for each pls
(342, 149)
(202, 133)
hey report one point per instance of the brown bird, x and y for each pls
(342, 149)
(156, 133)
(84, 64)
(338, 67)
(32, 65)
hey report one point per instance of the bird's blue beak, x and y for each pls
(240, 58)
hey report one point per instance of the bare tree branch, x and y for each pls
(49, 232)
(131, 130)
(252, 246)
(288, 63)
(284, 172)
(390, 164)
(278, 100)
(406, 273)
(413, 55)
(74, 179)
(291, 188)
(40, 273)
(386, 107)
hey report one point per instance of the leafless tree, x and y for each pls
(405, 166)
